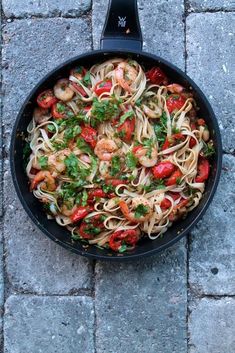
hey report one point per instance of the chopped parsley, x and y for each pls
(51, 128)
(71, 132)
(160, 129)
(71, 190)
(43, 162)
(83, 146)
(208, 149)
(125, 116)
(115, 165)
(87, 79)
(104, 110)
(131, 160)
(74, 170)
(141, 210)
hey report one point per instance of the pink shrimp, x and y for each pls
(125, 74)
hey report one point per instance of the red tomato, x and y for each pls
(127, 129)
(103, 87)
(86, 230)
(201, 122)
(173, 214)
(163, 170)
(175, 102)
(174, 178)
(165, 203)
(96, 193)
(46, 99)
(89, 134)
(203, 170)
(129, 237)
(115, 182)
(79, 213)
(172, 140)
(78, 88)
(192, 142)
(136, 148)
(59, 110)
(157, 76)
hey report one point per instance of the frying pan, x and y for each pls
(121, 37)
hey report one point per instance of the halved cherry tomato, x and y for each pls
(96, 193)
(91, 229)
(203, 170)
(171, 141)
(136, 148)
(166, 202)
(127, 129)
(59, 110)
(79, 213)
(90, 135)
(201, 122)
(79, 72)
(78, 88)
(103, 87)
(174, 178)
(115, 182)
(129, 236)
(175, 102)
(157, 76)
(163, 170)
(46, 99)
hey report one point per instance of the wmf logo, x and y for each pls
(121, 21)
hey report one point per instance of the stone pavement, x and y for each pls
(181, 301)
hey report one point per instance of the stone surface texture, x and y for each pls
(213, 66)
(211, 326)
(27, 8)
(180, 301)
(48, 324)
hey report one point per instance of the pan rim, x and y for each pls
(131, 256)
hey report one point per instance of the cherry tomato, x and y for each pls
(127, 129)
(136, 148)
(46, 99)
(79, 213)
(192, 142)
(117, 238)
(174, 178)
(60, 110)
(163, 170)
(157, 76)
(165, 203)
(79, 72)
(115, 182)
(103, 87)
(78, 88)
(96, 193)
(175, 102)
(203, 170)
(89, 135)
(88, 230)
(172, 140)
(201, 122)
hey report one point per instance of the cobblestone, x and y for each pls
(212, 255)
(49, 324)
(211, 326)
(143, 305)
(204, 5)
(214, 69)
(28, 8)
(158, 31)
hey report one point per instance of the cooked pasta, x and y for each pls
(117, 153)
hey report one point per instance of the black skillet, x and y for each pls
(121, 37)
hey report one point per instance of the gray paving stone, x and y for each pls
(31, 48)
(20, 8)
(210, 39)
(141, 307)
(211, 326)
(204, 5)
(34, 263)
(212, 255)
(161, 23)
(48, 324)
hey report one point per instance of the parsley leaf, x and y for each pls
(131, 160)
(43, 162)
(71, 132)
(125, 116)
(141, 210)
(104, 110)
(208, 149)
(71, 163)
(83, 146)
(115, 165)
(87, 79)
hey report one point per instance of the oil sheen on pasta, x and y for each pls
(117, 152)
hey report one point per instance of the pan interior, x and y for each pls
(34, 208)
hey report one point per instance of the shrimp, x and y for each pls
(56, 161)
(175, 88)
(48, 181)
(125, 75)
(62, 90)
(147, 157)
(153, 113)
(104, 169)
(105, 149)
(41, 115)
(67, 211)
(141, 210)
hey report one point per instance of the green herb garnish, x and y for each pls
(115, 165)
(141, 210)
(131, 160)
(43, 162)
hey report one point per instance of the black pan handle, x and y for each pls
(122, 28)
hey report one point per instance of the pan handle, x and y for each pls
(122, 28)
